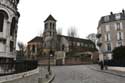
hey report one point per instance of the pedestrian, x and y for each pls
(101, 65)
(105, 64)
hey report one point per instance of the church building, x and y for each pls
(57, 44)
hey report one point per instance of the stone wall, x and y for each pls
(25, 77)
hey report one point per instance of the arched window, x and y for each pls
(3, 15)
(13, 25)
(1, 22)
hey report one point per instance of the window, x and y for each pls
(109, 47)
(106, 18)
(78, 44)
(11, 46)
(119, 35)
(33, 48)
(53, 25)
(107, 37)
(63, 47)
(118, 26)
(74, 43)
(1, 22)
(117, 16)
(50, 33)
(46, 25)
(13, 25)
(107, 27)
(119, 43)
(50, 25)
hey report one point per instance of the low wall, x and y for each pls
(117, 68)
(9, 78)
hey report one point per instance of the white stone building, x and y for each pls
(112, 31)
(9, 16)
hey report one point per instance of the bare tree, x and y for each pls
(92, 37)
(22, 48)
(59, 31)
(72, 32)
(40, 33)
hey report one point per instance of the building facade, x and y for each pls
(9, 16)
(60, 44)
(34, 48)
(112, 31)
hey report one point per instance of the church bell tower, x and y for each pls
(50, 34)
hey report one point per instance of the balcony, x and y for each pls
(98, 35)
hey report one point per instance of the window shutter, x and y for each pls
(115, 26)
(109, 37)
(117, 35)
(105, 37)
(122, 35)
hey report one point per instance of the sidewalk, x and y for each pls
(111, 70)
(45, 76)
(49, 79)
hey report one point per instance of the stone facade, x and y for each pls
(112, 30)
(9, 16)
(51, 41)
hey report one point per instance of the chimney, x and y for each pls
(123, 11)
(111, 13)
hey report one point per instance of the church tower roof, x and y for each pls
(50, 17)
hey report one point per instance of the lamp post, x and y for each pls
(50, 54)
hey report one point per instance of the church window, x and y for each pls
(33, 48)
(53, 25)
(50, 25)
(1, 22)
(46, 25)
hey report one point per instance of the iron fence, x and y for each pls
(17, 67)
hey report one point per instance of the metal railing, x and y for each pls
(17, 67)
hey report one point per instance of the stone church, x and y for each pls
(57, 44)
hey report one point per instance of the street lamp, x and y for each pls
(50, 55)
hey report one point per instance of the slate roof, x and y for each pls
(36, 39)
(75, 39)
(112, 17)
(50, 17)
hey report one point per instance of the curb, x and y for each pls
(51, 79)
(109, 72)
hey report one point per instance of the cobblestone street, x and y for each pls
(84, 74)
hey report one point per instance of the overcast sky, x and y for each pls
(81, 14)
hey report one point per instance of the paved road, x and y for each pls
(83, 74)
